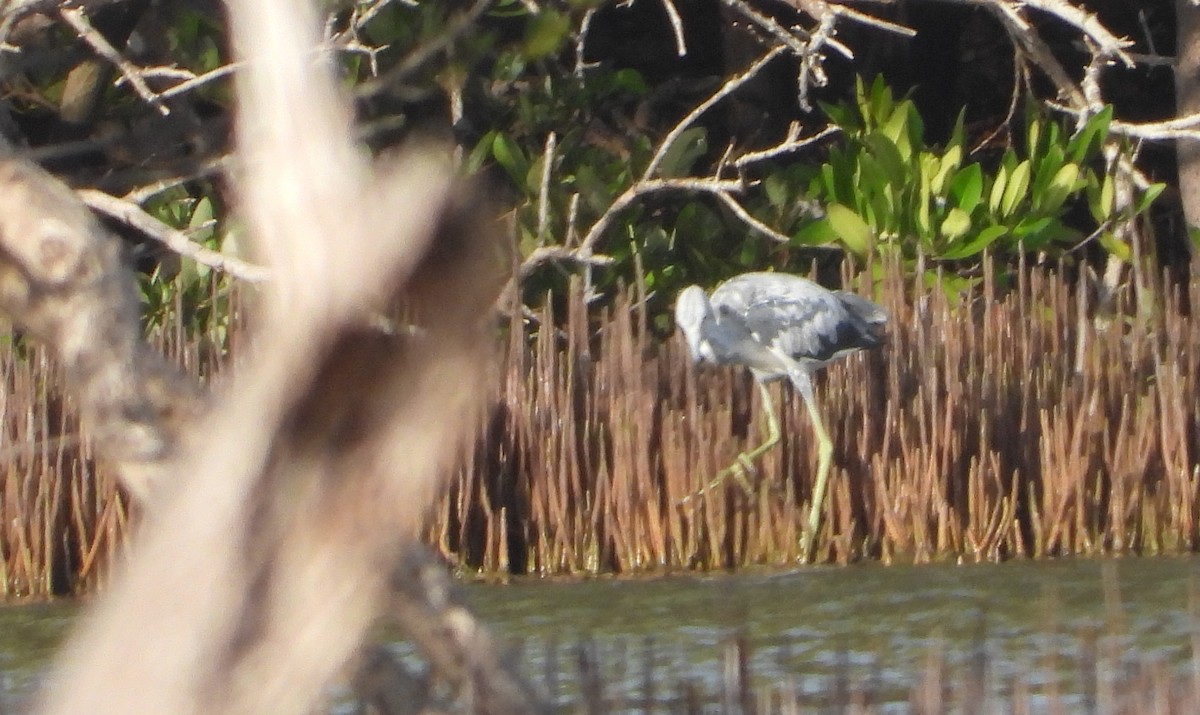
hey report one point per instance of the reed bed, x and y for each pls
(59, 521)
(63, 522)
(1017, 421)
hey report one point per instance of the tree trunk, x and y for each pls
(1187, 101)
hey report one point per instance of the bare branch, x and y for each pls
(141, 194)
(559, 254)
(77, 19)
(256, 580)
(416, 59)
(748, 219)
(544, 188)
(872, 21)
(132, 215)
(725, 90)
(199, 81)
(1086, 22)
(650, 186)
(793, 142)
(67, 285)
(676, 26)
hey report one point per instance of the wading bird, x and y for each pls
(779, 325)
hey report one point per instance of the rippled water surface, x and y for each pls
(874, 625)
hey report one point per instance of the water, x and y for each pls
(876, 625)
(1033, 621)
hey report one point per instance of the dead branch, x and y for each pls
(133, 216)
(260, 569)
(676, 26)
(77, 19)
(63, 279)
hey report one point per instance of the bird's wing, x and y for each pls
(815, 327)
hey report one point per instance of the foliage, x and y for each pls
(182, 292)
(885, 189)
(564, 137)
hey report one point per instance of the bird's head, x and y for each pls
(691, 310)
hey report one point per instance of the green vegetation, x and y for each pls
(886, 190)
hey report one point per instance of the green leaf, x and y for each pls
(1045, 169)
(969, 248)
(1034, 135)
(683, 153)
(966, 188)
(881, 99)
(949, 162)
(1017, 188)
(202, 213)
(1035, 234)
(884, 150)
(839, 116)
(850, 228)
(998, 185)
(630, 80)
(547, 32)
(508, 153)
(480, 153)
(777, 190)
(1101, 201)
(1151, 193)
(815, 233)
(956, 223)
(922, 218)
(895, 130)
(1115, 246)
(1091, 137)
(1028, 227)
(1060, 187)
(860, 100)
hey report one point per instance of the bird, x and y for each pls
(779, 326)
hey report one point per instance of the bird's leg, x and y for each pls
(803, 383)
(746, 459)
(744, 465)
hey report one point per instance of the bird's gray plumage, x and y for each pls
(779, 325)
(748, 317)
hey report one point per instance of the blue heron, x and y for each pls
(779, 325)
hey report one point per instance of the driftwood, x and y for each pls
(279, 506)
(63, 280)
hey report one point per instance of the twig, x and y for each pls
(790, 144)
(1185, 127)
(132, 215)
(199, 81)
(724, 91)
(795, 40)
(75, 17)
(1109, 45)
(872, 21)
(142, 193)
(544, 189)
(650, 186)
(748, 219)
(676, 26)
(454, 29)
(581, 42)
(559, 254)
(1037, 50)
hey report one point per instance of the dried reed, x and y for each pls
(1014, 422)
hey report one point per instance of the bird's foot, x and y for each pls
(742, 471)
